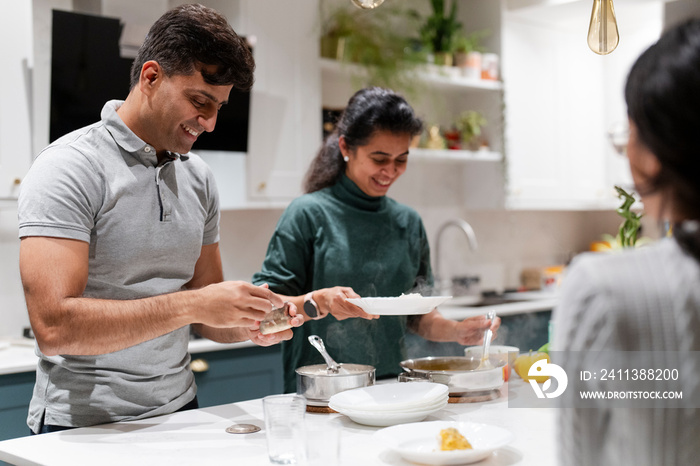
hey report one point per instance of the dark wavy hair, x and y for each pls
(663, 102)
(189, 35)
(369, 110)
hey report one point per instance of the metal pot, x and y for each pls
(317, 383)
(457, 372)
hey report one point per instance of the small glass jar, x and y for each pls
(276, 320)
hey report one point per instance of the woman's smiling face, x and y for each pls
(375, 166)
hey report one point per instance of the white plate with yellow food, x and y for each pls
(444, 442)
(407, 304)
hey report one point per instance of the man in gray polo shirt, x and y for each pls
(120, 229)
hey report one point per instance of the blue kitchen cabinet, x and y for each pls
(15, 394)
(238, 374)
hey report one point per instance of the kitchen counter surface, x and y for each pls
(514, 308)
(17, 355)
(199, 437)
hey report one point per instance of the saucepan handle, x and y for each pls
(411, 376)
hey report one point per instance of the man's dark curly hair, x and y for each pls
(192, 35)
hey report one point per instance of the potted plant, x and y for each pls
(439, 31)
(469, 124)
(337, 27)
(376, 40)
(466, 43)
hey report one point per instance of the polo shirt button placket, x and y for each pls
(165, 207)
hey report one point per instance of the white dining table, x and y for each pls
(199, 437)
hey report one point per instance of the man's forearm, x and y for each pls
(86, 326)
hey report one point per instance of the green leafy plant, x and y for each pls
(376, 39)
(440, 29)
(337, 27)
(469, 124)
(629, 229)
(465, 43)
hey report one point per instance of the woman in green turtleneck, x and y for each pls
(346, 239)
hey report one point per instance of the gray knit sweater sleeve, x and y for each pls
(643, 300)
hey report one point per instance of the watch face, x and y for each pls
(310, 309)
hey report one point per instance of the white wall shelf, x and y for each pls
(441, 76)
(417, 153)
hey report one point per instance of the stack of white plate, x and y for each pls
(390, 404)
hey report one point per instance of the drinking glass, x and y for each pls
(284, 428)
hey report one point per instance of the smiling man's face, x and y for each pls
(180, 108)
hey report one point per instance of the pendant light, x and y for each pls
(603, 36)
(367, 4)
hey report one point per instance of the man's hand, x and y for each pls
(235, 304)
(270, 339)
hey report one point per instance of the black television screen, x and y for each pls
(87, 70)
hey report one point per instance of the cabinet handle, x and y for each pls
(199, 365)
(17, 181)
(262, 186)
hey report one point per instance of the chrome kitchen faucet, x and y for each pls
(471, 239)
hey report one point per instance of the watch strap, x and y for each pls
(310, 306)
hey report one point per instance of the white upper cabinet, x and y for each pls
(15, 97)
(285, 116)
(561, 99)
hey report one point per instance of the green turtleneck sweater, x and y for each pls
(340, 236)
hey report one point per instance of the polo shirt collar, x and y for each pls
(126, 138)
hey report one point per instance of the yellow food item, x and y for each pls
(601, 246)
(451, 439)
(523, 363)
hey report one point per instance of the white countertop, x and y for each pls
(17, 355)
(199, 437)
(508, 309)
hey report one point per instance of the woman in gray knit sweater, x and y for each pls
(645, 302)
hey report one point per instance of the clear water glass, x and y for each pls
(284, 428)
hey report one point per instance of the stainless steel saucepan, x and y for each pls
(318, 382)
(459, 373)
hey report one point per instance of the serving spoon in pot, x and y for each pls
(485, 362)
(317, 342)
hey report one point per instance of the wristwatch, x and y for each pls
(310, 306)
